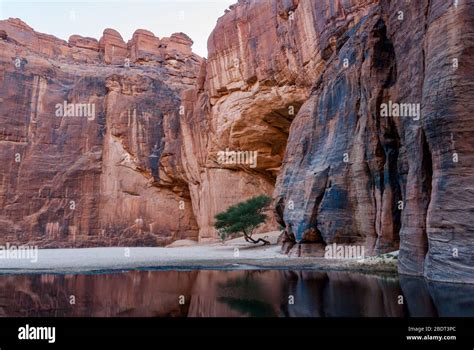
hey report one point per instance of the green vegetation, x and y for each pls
(243, 218)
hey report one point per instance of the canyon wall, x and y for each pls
(353, 175)
(300, 82)
(96, 174)
(304, 83)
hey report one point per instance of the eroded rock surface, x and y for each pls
(301, 83)
(94, 176)
(353, 176)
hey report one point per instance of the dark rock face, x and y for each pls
(347, 185)
(447, 97)
(358, 177)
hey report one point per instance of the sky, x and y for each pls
(63, 18)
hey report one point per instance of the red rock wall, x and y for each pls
(76, 181)
(299, 81)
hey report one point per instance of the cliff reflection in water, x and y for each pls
(230, 293)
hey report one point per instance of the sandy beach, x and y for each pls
(233, 254)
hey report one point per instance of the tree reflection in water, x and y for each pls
(231, 293)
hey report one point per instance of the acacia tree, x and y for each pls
(244, 217)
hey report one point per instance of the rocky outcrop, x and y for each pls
(84, 43)
(113, 48)
(145, 46)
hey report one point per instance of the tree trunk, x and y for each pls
(250, 239)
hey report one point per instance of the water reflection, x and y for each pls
(256, 293)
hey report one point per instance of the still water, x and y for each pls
(233, 293)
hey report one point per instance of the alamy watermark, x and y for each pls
(22, 252)
(394, 109)
(37, 333)
(340, 251)
(65, 109)
(229, 157)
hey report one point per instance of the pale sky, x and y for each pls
(62, 18)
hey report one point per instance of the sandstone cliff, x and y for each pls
(300, 82)
(303, 82)
(99, 178)
(359, 178)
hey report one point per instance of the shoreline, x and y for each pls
(233, 254)
(310, 264)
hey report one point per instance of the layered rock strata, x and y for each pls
(87, 130)
(354, 114)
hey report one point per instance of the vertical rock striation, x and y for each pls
(350, 173)
(354, 176)
(358, 111)
(94, 174)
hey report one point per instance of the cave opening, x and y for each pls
(274, 139)
(274, 131)
(263, 130)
